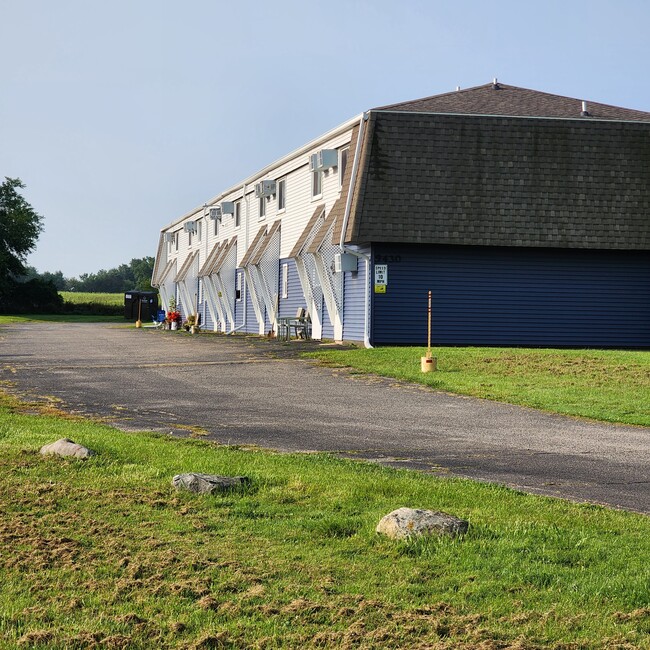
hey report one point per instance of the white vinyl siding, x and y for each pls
(294, 181)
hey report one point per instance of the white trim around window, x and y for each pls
(282, 194)
(316, 185)
(343, 163)
(237, 216)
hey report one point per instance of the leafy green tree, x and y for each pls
(142, 271)
(126, 277)
(20, 226)
(56, 279)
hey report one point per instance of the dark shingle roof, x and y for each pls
(503, 181)
(513, 101)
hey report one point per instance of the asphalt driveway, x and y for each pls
(243, 390)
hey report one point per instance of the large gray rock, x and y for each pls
(208, 483)
(66, 447)
(409, 522)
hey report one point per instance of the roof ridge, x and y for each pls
(517, 101)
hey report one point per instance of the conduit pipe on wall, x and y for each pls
(346, 218)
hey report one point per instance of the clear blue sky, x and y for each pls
(122, 115)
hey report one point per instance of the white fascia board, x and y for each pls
(263, 172)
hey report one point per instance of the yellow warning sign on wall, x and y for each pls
(380, 288)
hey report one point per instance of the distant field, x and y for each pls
(82, 297)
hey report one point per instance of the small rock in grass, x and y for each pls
(65, 447)
(208, 483)
(409, 522)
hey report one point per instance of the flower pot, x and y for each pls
(174, 325)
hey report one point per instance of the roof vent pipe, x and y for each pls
(495, 84)
(584, 112)
(457, 88)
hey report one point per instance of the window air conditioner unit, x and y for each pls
(189, 226)
(345, 262)
(264, 188)
(214, 212)
(323, 159)
(227, 207)
(169, 237)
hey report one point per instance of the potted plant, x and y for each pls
(173, 315)
(192, 323)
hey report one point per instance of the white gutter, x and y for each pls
(346, 218)
(269, 168)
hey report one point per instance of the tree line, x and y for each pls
(126, 277)
(22, 288)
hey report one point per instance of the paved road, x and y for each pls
(242, 390)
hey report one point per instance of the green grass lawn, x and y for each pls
(61, 318)
(106, 554)
(610, 385)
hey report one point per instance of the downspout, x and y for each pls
(243, 288)
(346, 218)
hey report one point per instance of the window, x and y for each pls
(285, 280)
(316, 183)
(262, 201)
(343, 163)
(199, 229)
(237, 214)
(189, 237)
(238, 283)
(176, 241)
(216, 227)
(282, 196)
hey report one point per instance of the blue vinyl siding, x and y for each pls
(239, 304)
(513, 296)
(353, 302)
(251, 320)
(295, 298)
(328, 328)
(204, 311)
(207, 323)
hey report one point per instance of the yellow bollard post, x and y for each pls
(428, 363)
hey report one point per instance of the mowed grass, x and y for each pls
(610, 385)
(60, 318)
(106, 554)
(84, 297)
